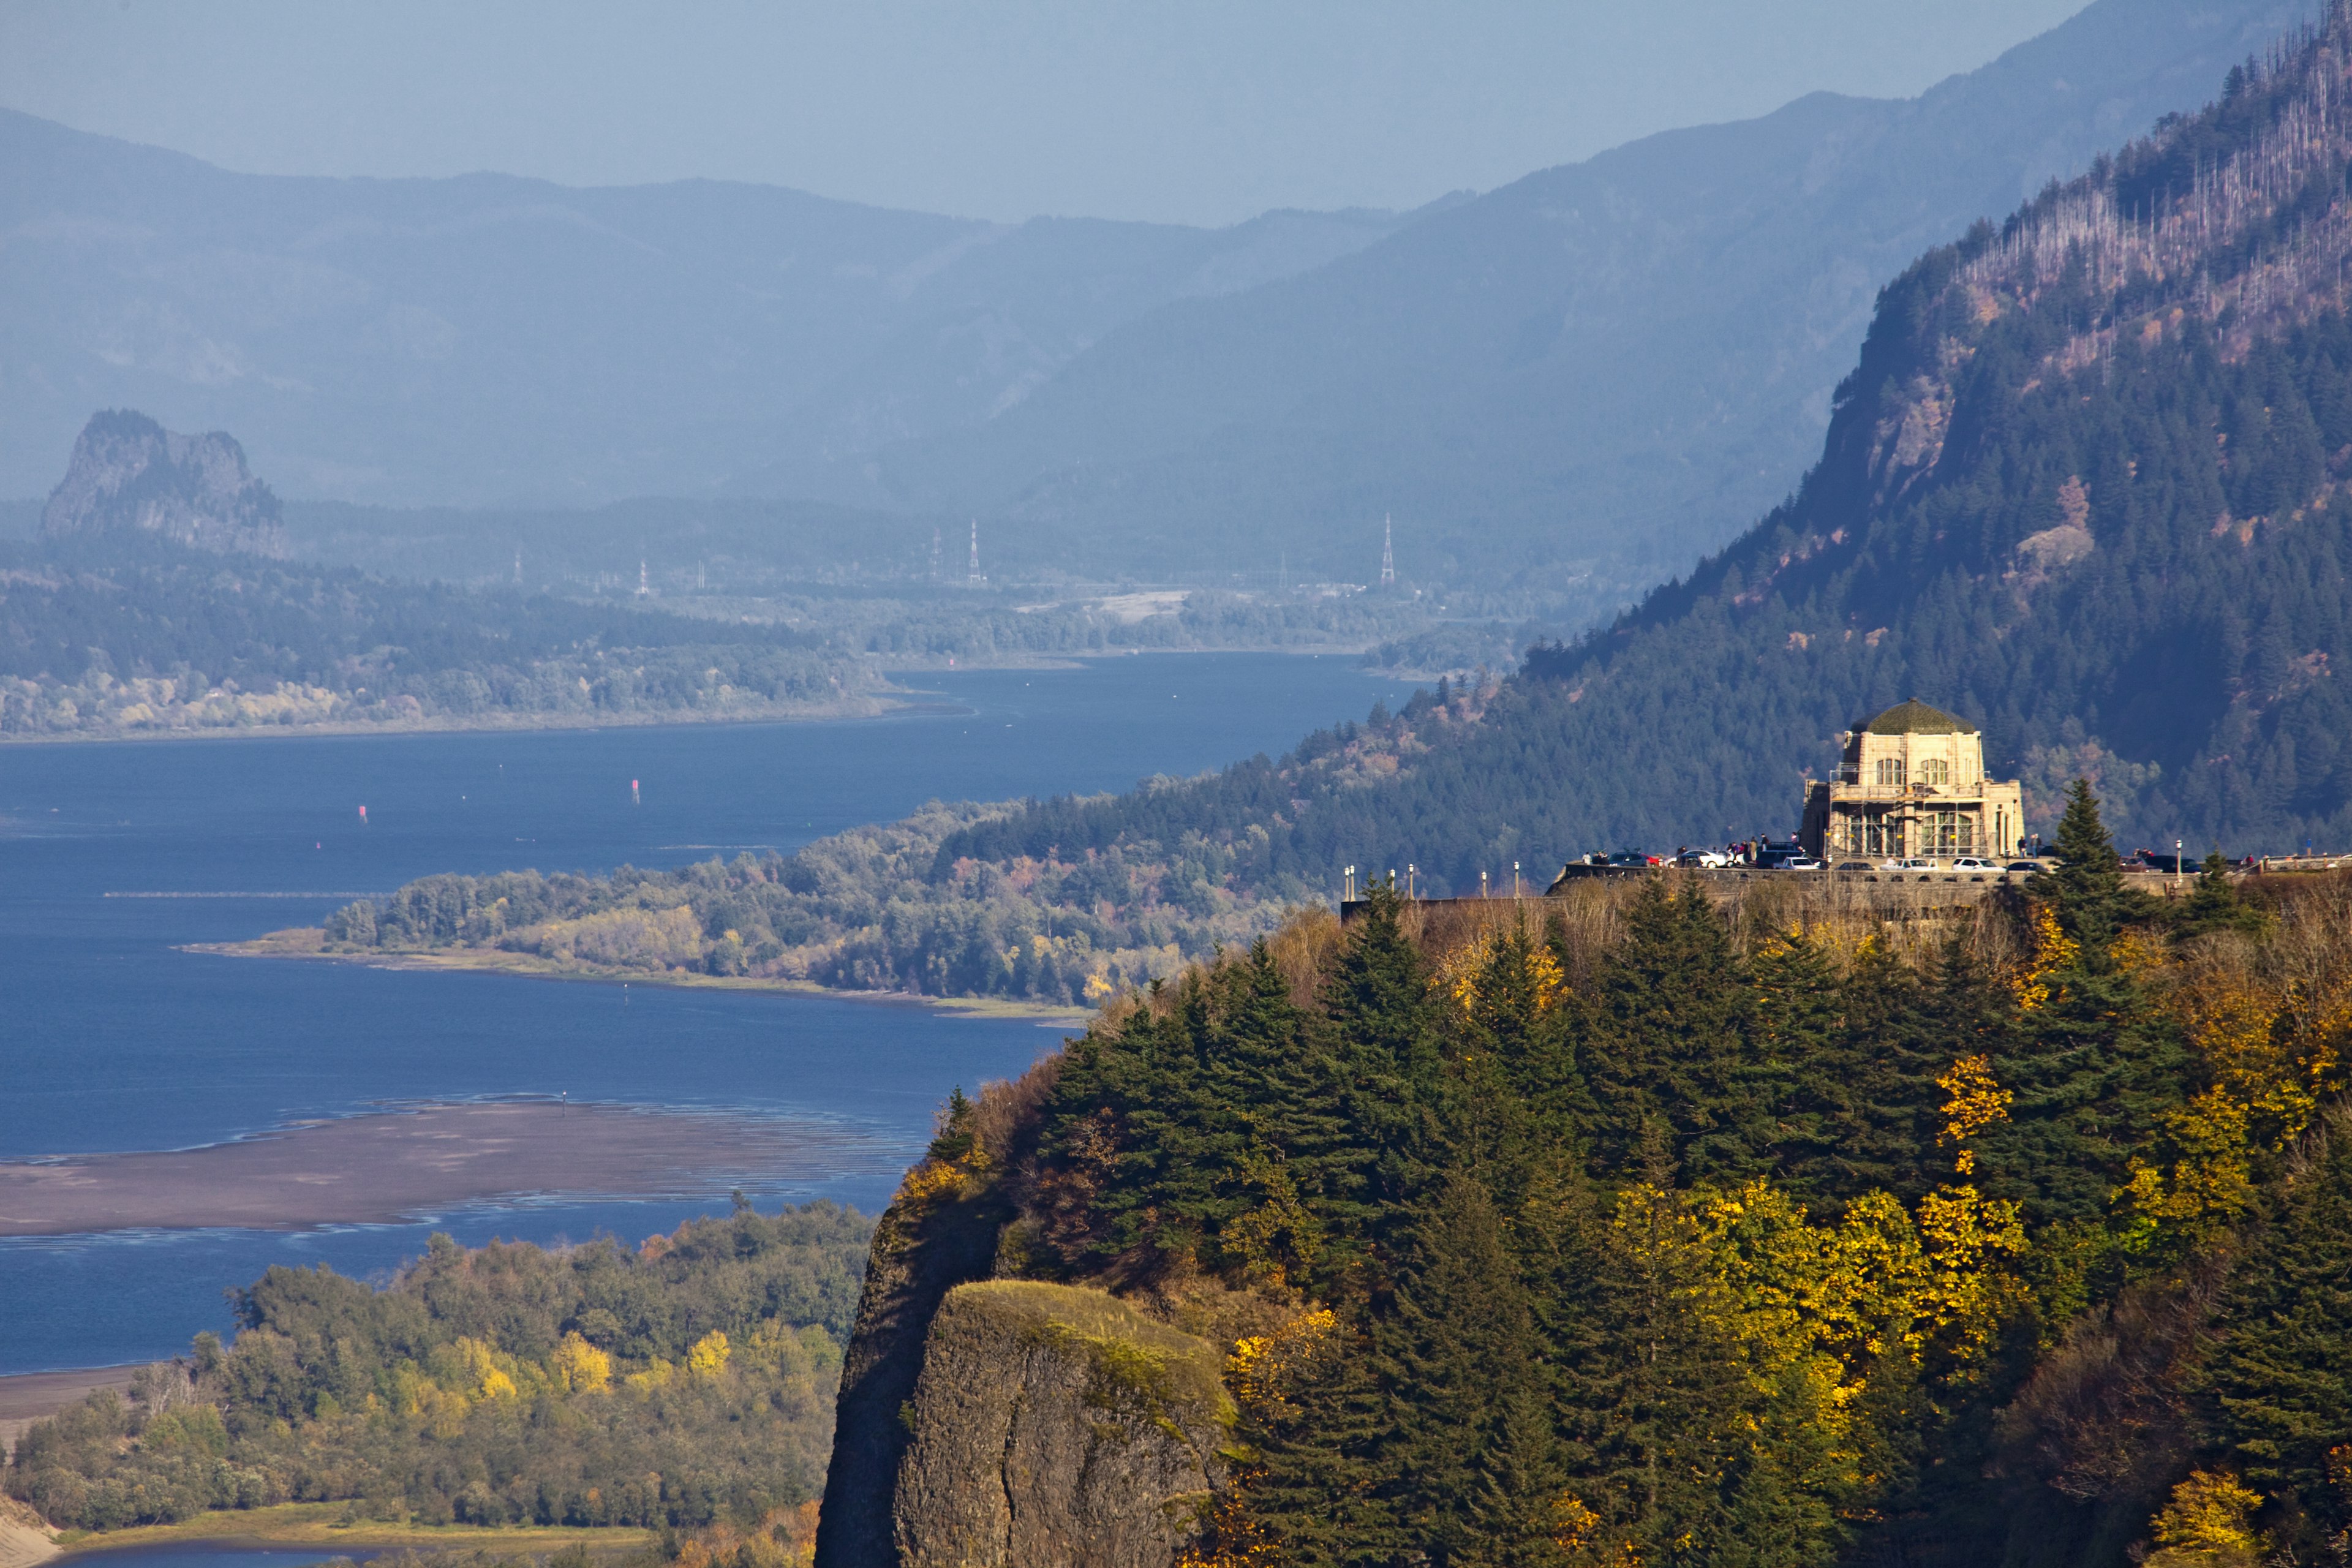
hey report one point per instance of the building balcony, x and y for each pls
(1844, 789)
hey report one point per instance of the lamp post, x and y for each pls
(1515, 879)
(2177, 866)
(1482, 884)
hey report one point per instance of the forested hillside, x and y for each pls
(2086, 489)
(688, 1383)
(1641, 1230)
(116, 636)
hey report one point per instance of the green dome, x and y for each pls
(1916, 717)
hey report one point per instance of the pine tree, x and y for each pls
(1670, 1044)
(2087, 890)
(2213, 904)
(1311, 1422)
(1471, 1461)
(2280, 1385)
(1377, 1028)
(1799, 1025)
(1863, 1104)
(1653, 1395)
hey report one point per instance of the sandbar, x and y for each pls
(392, 1165)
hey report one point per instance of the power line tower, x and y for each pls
(643, 588)
(935, 554)
(1387, 553)
(972, 575)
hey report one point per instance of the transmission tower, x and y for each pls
(935, 554)
(973, 575)
(1387, 553)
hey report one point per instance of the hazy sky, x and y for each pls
(1204, 112)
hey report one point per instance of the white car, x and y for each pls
(1970, 863)
(1914, 864)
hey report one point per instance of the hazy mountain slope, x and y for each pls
(491, 339)
(1614, 364)
(2089, 485)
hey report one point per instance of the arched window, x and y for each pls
(1890, 772)
(1935, 771)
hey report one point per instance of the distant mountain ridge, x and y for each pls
(129, 474)
(490, 340)
(1608, 368)
(1572, 385)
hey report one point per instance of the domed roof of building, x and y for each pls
(1916, 717)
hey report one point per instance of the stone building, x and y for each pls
(1911, 782)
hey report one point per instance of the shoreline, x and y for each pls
(322, 1524)
(302, 942)
(894, 703)
(489, 724)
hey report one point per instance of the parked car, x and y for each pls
(1916, 863)
(2027, 867)
(1804, 863)
(1855, 866)
(1971, 863)
(1704, 860)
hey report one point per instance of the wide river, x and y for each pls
(113, 856)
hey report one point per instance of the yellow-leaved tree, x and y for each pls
(579, 1367)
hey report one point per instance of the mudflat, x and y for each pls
(392, 1165)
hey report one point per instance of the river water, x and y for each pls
(111, 856)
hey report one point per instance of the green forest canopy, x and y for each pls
(1630, 1233)
(685, 1383)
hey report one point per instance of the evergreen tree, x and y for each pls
(1378, 1029)
(2087, 890)
(1310, 1430)
(1798, 1027)
(1652, 1393)
(1470, 1462)
(2213, 904)
(2279, 1389)
(1670, 1045)
(1866, 1101)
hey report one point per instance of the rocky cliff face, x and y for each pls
(1055, 1425)
(128, 473)
(999, 1423)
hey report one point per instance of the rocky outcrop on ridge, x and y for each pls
(995, 1422)
(1053, 1423)
(128, 473)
